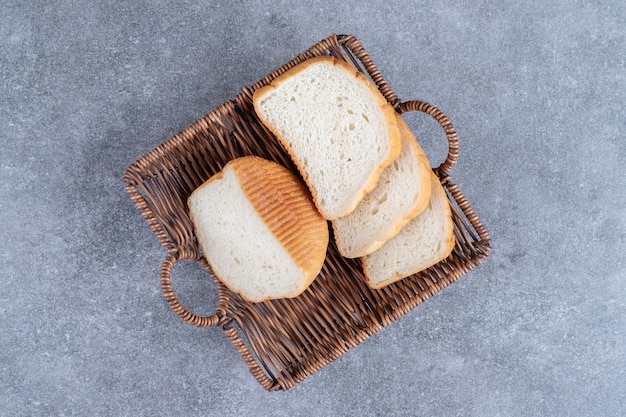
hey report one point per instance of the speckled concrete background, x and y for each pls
(537, 91)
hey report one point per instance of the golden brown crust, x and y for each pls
(286, 207)
(387, 109)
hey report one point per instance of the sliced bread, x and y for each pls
(336, 126)
(424, 241)
(401, 194)
(259, 229)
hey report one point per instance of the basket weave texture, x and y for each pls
(285, 341)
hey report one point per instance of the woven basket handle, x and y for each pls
(445, 123)
(170, 296)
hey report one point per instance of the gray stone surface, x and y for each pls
(536, 90)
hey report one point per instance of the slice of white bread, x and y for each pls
(259, 229)
(424, 241)
(336, 126)
(402, 193)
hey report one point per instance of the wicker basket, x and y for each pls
(285, 341)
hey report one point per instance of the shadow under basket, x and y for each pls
(285, 341)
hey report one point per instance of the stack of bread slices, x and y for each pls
(266, 234)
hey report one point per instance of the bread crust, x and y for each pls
(286, 207)
(388, 111)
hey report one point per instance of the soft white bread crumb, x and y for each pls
(337, 127)
(424, 241)
(402, 192)
(259, 229)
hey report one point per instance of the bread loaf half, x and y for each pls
(259, 229)
(336, 126)
(402, 193)
(424, 241)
